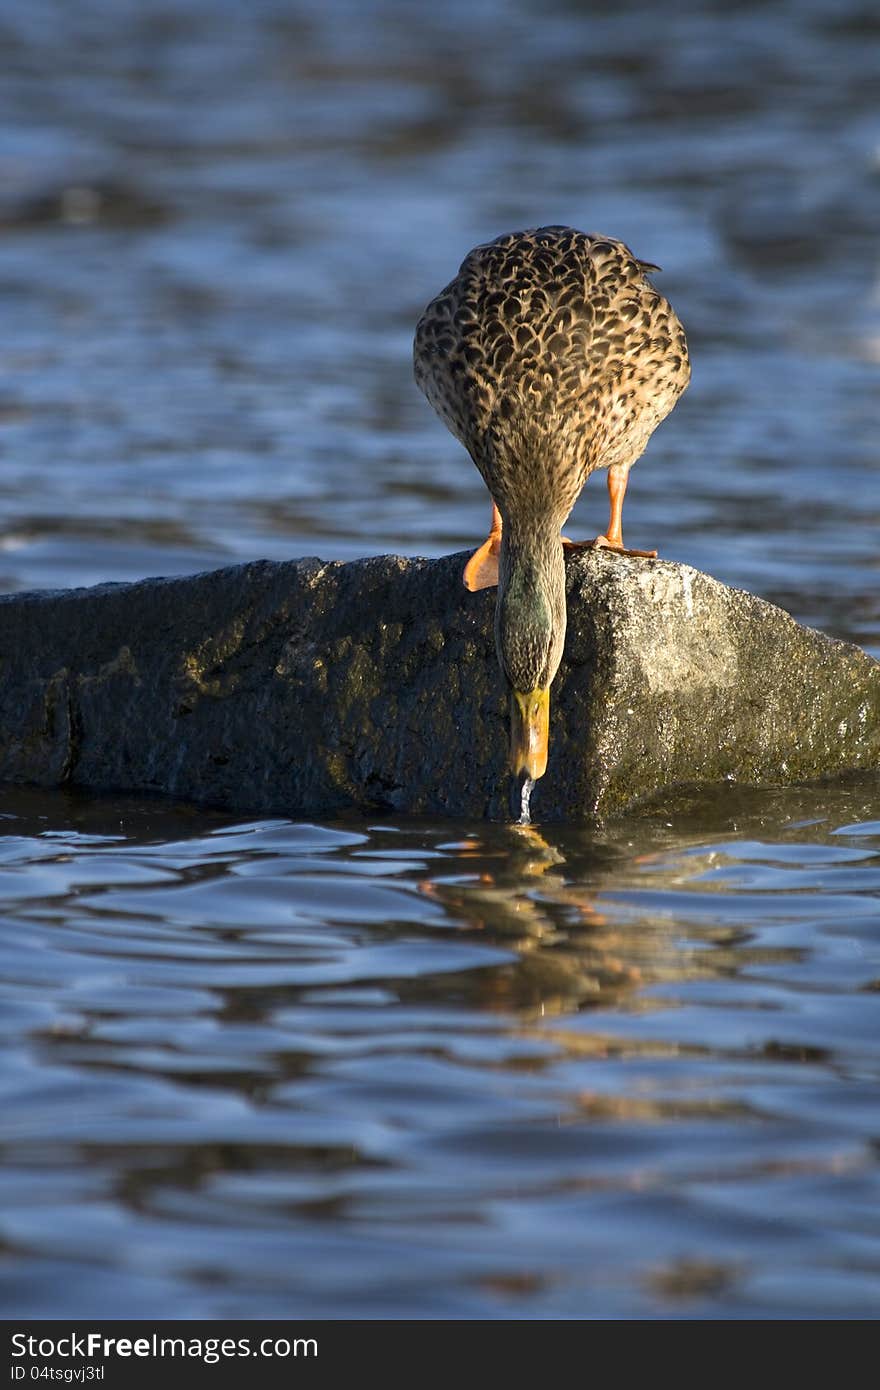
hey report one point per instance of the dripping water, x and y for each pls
(525, 799)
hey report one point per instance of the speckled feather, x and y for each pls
(550, 355)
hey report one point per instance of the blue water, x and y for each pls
(411, 1068)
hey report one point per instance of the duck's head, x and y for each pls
(529, 636)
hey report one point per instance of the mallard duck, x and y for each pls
(549, 355)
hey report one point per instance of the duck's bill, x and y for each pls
(529, 732)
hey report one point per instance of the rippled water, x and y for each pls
(421, 1068)
(441, 1070)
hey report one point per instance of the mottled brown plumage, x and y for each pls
(549, 355)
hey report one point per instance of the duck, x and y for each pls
(549, 356)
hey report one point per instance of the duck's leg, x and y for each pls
(481, 570)
(618, 476)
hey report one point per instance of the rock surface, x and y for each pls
(309, 689)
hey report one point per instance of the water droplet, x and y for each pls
(525, 798)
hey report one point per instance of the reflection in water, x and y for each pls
(551, 907)
(249, 1067)
(524, 899)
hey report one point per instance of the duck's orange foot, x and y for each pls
(603, 543)
(481, 570)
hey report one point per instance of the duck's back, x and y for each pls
(551, 340)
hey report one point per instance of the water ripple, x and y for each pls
(453, 1069)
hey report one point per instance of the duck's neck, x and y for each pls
(530, 615)
(530, 553)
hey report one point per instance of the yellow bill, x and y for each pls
(529, 732)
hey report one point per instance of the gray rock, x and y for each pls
(309, 689)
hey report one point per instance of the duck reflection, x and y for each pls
(593, 918)
(524, 891)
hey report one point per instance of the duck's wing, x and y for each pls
(551, 338)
